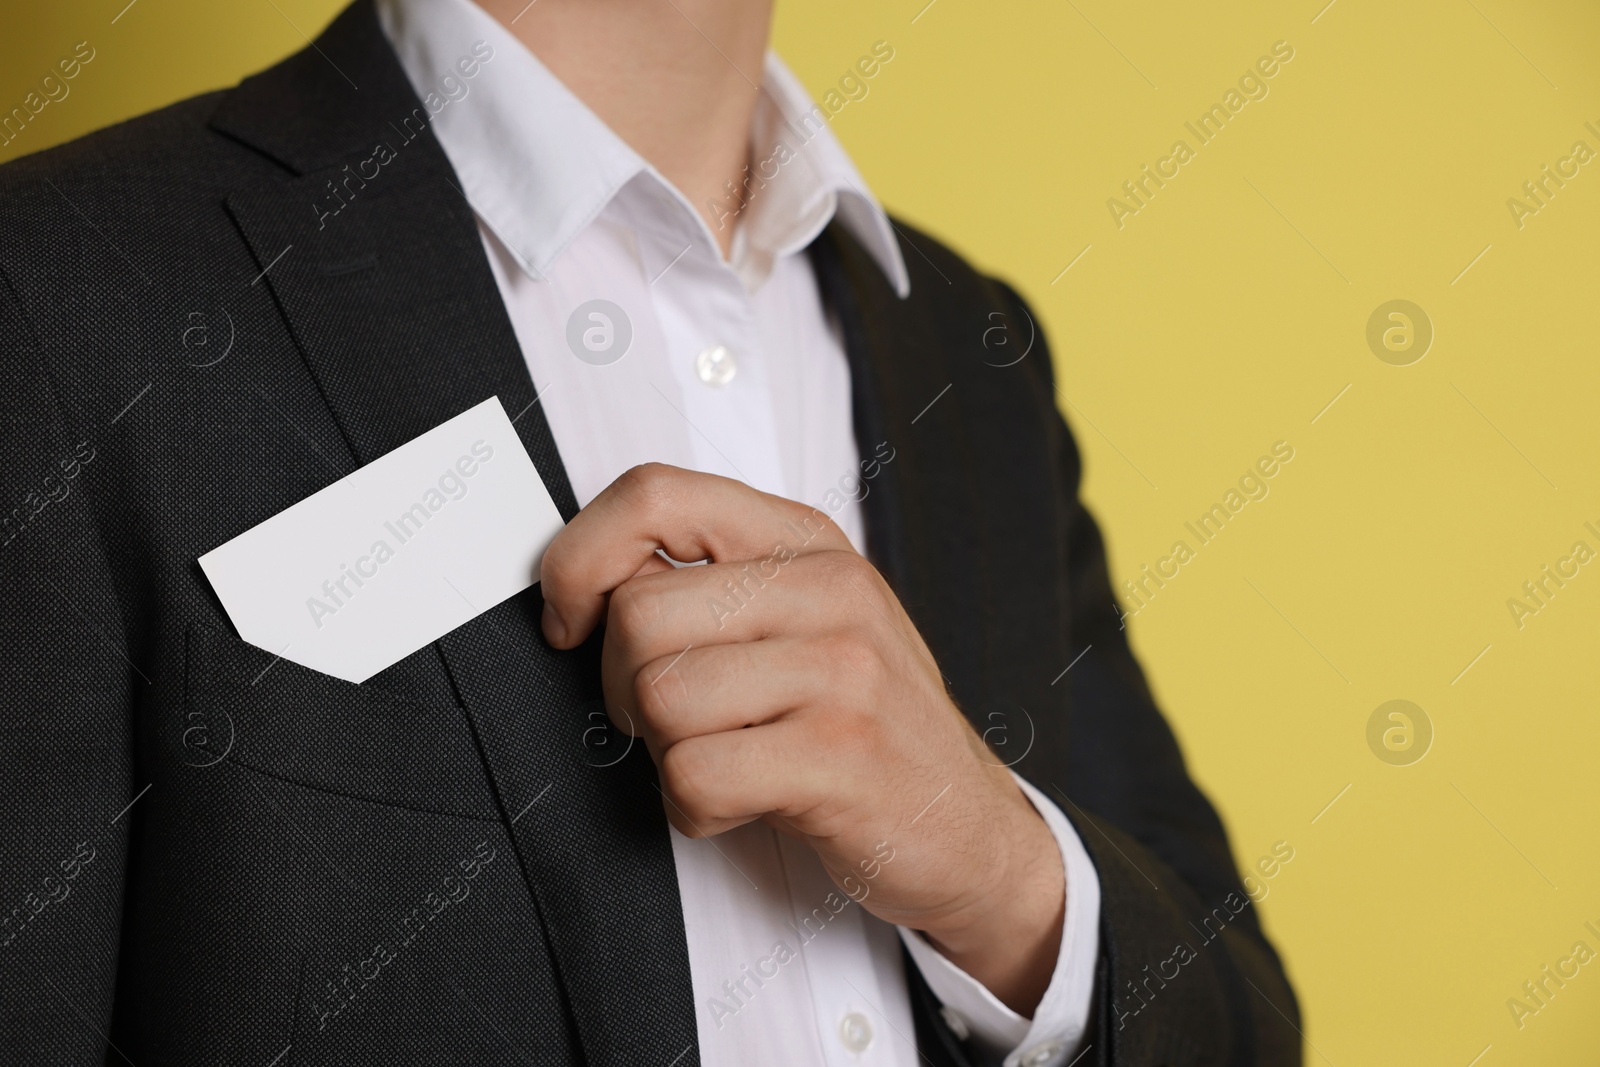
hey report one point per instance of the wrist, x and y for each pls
(1009, 937)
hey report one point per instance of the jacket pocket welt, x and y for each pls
(281, 719)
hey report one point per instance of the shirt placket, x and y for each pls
(719, 372)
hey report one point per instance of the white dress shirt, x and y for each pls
(644, 344)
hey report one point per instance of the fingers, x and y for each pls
(690, 516)
(715, 782)
(728, 687)
(818, 596)
(722, 602)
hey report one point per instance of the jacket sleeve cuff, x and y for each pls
(1056, 1030)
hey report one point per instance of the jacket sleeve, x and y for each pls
(1186, 975)
(67, 686)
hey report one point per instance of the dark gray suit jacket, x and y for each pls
(211, 857)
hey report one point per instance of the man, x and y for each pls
(787, 806)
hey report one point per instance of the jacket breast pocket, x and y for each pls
(280, 719)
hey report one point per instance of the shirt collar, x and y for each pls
(538, 166)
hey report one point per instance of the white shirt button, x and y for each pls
(1040, 1055)
(955, 1022)
(855, 1032)
(716, 365)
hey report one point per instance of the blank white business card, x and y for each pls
(361, 574)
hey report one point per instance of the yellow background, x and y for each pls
(1223, 317)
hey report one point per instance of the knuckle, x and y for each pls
(844, 568)
(819, 525)
(633, 610)
(851, 658)
(656, 698)
(687, 780)
(651, 486)
(554, 566)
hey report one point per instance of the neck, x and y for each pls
(653, 73)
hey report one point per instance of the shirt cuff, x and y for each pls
(1056, 1030)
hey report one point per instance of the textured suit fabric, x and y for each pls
(214, 856)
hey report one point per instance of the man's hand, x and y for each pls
(782, 681)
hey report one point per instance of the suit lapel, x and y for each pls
(922, 532)
(960, 523)
(394, 309)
